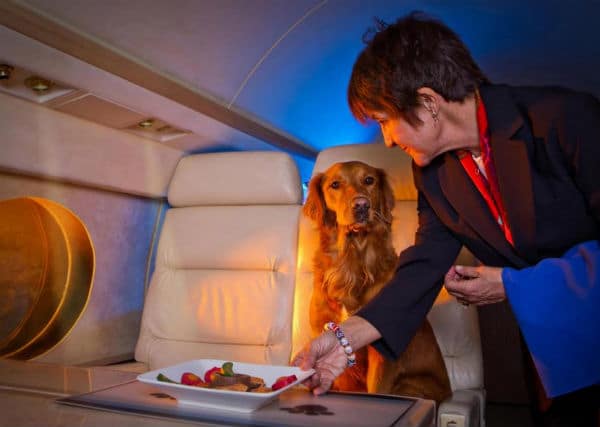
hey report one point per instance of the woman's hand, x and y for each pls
(326, 356)
(475, 285)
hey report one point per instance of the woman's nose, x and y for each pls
(387, 140)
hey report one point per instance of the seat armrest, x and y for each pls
(137, 367)
(463, 409)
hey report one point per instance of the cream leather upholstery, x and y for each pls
(223, 284)
(456, 327)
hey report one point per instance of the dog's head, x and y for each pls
(352, 195)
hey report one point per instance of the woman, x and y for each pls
(508, 172)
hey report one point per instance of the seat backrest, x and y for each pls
(223, 283)
(455, 326)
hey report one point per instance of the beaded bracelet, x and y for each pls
(339, 334)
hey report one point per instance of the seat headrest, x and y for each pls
(235, 178)
(395, 162)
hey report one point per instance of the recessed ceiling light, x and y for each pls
(156, 129)
(38, 84)
(146, 123)
(5, 71)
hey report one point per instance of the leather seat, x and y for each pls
(223, 283)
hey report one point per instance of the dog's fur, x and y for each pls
(352, 203)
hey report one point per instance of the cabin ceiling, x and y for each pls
(265, 74)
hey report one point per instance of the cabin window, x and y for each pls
(46, 273)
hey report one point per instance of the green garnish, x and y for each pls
(227, 369)
(165, 379)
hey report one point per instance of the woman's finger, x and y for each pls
(456, 288)
(324, 384)
(313, 381)
(467, 272)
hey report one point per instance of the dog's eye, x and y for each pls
(335, 185)
(369, 180)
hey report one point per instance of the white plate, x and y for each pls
(222, 399)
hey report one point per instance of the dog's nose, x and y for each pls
(360, 207)
(361, 203)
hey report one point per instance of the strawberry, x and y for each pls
(190, 379)
(210, 374)
(283, 381)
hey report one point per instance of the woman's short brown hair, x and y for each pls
(416, 51)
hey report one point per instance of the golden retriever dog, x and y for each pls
(352, 203)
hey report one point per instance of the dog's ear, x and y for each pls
(315, 207)
(387, 201)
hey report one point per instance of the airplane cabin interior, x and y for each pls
(155, 162)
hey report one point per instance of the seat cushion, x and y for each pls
(240, 178)
(223, 286)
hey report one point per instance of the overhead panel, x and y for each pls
(129, 55)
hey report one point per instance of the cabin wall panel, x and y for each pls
(36, 140)
(121, 229)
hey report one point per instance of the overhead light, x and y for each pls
(38, 84)
(5, 71)
(146, 123)
(157, 130)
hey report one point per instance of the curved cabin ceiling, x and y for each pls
(276, 71)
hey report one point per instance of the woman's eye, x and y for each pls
(369, 180)
(335, 185)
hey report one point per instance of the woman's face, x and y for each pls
(422, 142)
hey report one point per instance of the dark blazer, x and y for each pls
(546, 150)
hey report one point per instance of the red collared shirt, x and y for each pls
(486, 182)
